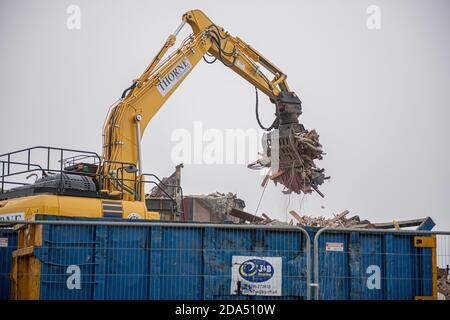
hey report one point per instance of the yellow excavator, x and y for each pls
(78, 183)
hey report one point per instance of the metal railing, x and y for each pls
(162, 187)
(16, 167)
(31, 163)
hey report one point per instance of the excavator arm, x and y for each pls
(129, 117)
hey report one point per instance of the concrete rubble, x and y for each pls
(169, 185)
(167, 196)
(213, 207)
(443, 282)
(220, 205)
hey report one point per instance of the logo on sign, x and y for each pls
(172, 78)
(134, 216)
(256, 270)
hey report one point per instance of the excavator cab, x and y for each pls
(69, 182)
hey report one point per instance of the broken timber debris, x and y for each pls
(245, 216)
(338, 221)
(296, 170)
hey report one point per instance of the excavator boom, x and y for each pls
(112, 185)
(139, 103)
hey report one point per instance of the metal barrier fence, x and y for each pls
(79, 259)
(367, 264)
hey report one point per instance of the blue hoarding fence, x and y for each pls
(86, 259)
(372, 264)
(79, 258)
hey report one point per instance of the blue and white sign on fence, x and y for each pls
(252, 275)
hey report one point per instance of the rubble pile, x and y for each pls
(338, 221)
(443, 283)
(169, 186)
(224, 203)
(221, 204)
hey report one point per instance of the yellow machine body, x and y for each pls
(26, 208)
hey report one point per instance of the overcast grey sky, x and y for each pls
(378, 98)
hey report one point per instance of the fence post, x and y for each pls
(316, 263)
(377, 264)
(308, 262)
(100, 248)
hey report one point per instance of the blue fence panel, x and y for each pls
(372, 266)
(8, 243)
(92, 261)
(67, 251)
(162, 261)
